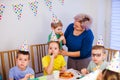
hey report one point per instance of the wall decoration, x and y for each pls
(18, 10)
(61, 1)
(54, 18)
(34, 7)
(48, 4)
(2, 7)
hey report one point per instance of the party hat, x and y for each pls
(24, 47)
(53, 37)
(114, 65)
(54, 19)
(100, 41)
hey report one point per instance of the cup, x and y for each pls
(56, 74)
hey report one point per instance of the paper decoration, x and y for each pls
(24, 46)
(18, 10)
(100, 41)
(54, 18)
(53, 37)
(34, 7)
(48, 4)
(61, 1)
(2, 7)
(114, 65)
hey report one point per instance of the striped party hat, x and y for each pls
(100, 41)
(24, 47)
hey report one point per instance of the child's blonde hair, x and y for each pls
(99, 47)
(57, 42)
(55, 25)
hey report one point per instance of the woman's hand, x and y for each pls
(64, 53)
(72, 54)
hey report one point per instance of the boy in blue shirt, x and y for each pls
(21, 71)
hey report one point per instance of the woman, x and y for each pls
(79, 40)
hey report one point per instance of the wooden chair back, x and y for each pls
(37, 52)
(7, 61)
(110, 53)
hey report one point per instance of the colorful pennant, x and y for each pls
(34, 7)
(61, 1)
(48, 4)
(18, 10)
(2, 7)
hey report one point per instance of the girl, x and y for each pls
(53, 61)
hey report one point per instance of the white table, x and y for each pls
(51, 77)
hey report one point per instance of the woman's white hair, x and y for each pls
(84, 19)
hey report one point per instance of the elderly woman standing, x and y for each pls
(79, 40)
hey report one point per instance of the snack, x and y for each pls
(32, 77)
(61, 34)
(66, 75)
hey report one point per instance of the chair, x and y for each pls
(37, 52)
(7, 60)
(110, 53)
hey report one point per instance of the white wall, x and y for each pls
(35, 29)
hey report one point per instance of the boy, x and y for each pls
(98, 62)
(56, 34)
(53, 61)
(21, 71)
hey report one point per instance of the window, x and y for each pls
(115, 25)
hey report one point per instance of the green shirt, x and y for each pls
(92, 66)
(58, 36)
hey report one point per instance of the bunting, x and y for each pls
(34, 7)
(2, 7)
(18, 10)
(61, 1)
(48, 4)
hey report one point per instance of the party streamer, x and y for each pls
(2, 7)
(18, 10)
(34, 7)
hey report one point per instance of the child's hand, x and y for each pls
(53, 55)
(63, 69)
(27, 76)
(84, 71)
(61, 38)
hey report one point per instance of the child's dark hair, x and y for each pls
(54, 42)
(97, 47)
(55, 25)
(107, 73)
(24, 53)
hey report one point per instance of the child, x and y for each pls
(98, 55)
(53, 61)
(112, 71)
(21, 71)
(56, 27)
